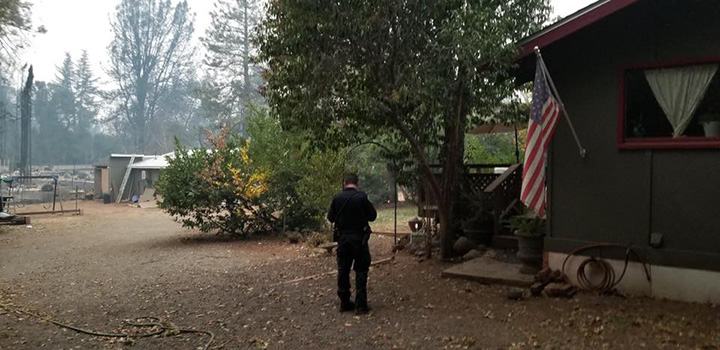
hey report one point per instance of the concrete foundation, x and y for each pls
(671, 283)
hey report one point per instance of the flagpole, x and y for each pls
(581, 149)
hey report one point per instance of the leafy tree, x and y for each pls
(14, 21)
(86, 92)
(151, 52)
(87, 96)
(300, 179)
(180, 115)
(233, 77)
(8, 124)
(373, 167)
(420, 70)
(66, 111)
(491, 149)
(217, 111)
(49, 132)
(64, 93)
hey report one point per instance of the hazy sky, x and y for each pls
(76, 25)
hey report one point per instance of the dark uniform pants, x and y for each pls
(353, 253)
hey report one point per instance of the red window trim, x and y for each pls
(664, 142)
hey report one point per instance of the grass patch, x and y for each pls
(386, 217)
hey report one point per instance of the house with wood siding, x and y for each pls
(640, 80)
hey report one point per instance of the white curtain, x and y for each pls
(679, 91)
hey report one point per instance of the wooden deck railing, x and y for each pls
(499, 193)
(479, 176)
(503, 194)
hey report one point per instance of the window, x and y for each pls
(671, 106)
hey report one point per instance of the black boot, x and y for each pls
(362, 309)
(346, 305)
(361, 299)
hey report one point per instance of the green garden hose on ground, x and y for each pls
(155, 323)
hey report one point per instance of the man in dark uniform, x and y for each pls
(351, 211)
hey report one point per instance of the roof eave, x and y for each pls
(571, 24)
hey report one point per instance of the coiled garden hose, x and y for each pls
(609, 280)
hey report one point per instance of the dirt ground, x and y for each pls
(117, 263)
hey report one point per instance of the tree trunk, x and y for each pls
(454, 149)
(453, 164)
(430, 179)
(246, 52)
(141, 117)
(26, 125)
(140, 136)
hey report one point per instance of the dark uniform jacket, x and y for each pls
(356, 214)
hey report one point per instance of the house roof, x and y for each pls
(118, 155)
(571, 24)
(156, 162)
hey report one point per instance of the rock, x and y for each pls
(557, 290)
(420, 252)
(515, 293)
(543, 276)
(404, 241)
(436, 243)
(293, 237)
(473, 254)
(557, 276)
(491, 254)
(537, 288)
(547, 276)
(411, 248)
(463, 245)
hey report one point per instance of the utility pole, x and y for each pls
(26, 125)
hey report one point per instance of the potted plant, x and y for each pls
(477, 220)
(529, 231)
(478, 227)
(711, 123)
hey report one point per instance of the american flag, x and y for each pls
(543, 119)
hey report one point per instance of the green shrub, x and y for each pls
(270, 181)
(218, 190)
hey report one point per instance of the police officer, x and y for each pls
(351, 211)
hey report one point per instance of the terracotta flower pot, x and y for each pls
(415, 224)
(530, 253)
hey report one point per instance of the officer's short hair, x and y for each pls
(351, 179)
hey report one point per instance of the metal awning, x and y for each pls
(492, 128)
(157, 162)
